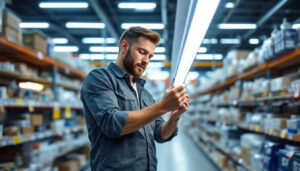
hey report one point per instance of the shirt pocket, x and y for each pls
(126, 101)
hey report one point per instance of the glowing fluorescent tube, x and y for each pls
(31, 86)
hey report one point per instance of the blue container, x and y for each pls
(270, 150)
(286, 40)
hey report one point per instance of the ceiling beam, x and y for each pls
(164, 19)
(113, 15)
(103, 17)
(265, 18)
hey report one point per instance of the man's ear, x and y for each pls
(124, 46)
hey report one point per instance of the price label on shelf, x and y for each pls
(19, 102)
(30, 108)
(68, 114)
(283, 134)
(17, 140)
(271, 131)
(56, 113)
(257, 128)
(40, 55)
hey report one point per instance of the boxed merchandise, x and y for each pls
(280, 84)
(27, 130)
(279, 123)
(250, 143)
(2, 115)
(36, 119)
(86, 151)
(11, 131)
(270, 150)
(293, 126)
(10, 27)
(8, 166)
(70, 165)
(295, 162)
(79, 158)
(286, 40)
(2, 92)
(21, 123)
(285, 155)
(257, 160)
(36, 41)
(40, 128)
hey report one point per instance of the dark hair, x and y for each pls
(133, 33)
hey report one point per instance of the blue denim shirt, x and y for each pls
(107, 97)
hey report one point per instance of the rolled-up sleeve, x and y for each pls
(98, 95)
(158, 124)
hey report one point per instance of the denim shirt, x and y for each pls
(107, 97)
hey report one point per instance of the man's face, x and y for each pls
(138, 56)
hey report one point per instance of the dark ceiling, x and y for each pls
(265, 13)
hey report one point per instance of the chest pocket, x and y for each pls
(126, 101)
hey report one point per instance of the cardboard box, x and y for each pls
(11, 20)
(2, 116)
(12, 34)
(86, 151)
(36, 41)
(69, 165)
(246, 154)
(11, 131)
(79, 158)
(27, 130)
(36, 119)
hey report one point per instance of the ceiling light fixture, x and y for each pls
(230, 41)
(63, 5)
(229, 5)
(209, 57)
(154, 26)
(111, 56)
(65, 49)
(91, 56)
(137, 5)
(158, 57)
(34, 25)
(296, 26)
(104, 49)
(202, 50)
(160, 49)
(210, 41)
(88, 25)
(201, 18)
(253, 41)
(237, 26)
(98, 40)
(60, 40)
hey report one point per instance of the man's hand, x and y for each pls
(175, 115)
(174, 99)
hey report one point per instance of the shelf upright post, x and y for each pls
(269, 77)
(53, 74)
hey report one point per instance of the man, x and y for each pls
(122, 118)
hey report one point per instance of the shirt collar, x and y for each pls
(121, 73)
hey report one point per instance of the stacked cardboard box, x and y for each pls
(10, 27)
(35, 40)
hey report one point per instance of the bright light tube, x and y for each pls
(31, 86)
(202, 50)
(229, 5)
(155, 65)
(158, 57)
(145, 25)
(210, 41)
(160, 49)
(296, 26)
(59, 40)
(34, 25)
(253, 41)
(91, 56)
(237, 26)
(203, 14)
(230, 41)
(111, 56)
(209, 57)
(104, 49)
(98, 40)
(137, 5)
(92, 25)
(63, 5)
(65, 49)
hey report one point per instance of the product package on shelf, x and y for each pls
(250, 143)
(35, 40)
(270, 150)
(285, 155)
(10, 27)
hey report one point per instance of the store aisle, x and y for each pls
(181, 154)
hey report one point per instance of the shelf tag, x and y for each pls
(19, 102)
(271, 131)
(257, 128)
(40, 55)
(283, 134)
(30, 108)
(68, 114)
(17, 140)
(56, 113)
(251, 126)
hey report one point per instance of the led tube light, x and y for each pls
(34, 25)
(63, 5)
(137, 5)
(157, 26)
(31, 86)
(203, 14)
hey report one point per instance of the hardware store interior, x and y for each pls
(243, 81)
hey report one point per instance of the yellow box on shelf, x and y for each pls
(271, 131)
(283, 134)
(56, 113)
(68, 114)
(257, 128)
(17, 140)
(19, 102)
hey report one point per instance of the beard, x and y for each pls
(131, 67)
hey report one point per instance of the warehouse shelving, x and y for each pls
(23, 103)
(27, 55)
(15, 140)
(281, 62)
